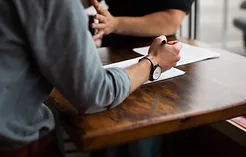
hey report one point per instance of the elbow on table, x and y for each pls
(100, 104)
(107, 92)
(99, 101)
(94, 105)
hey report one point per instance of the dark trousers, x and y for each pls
(50, 151)
(150, 147)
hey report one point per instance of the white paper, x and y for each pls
(168, 75)
(165, 75)
(123, 64)
(189, 54)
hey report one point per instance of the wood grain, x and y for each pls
(210, 91)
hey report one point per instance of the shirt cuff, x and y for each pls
(122, 84)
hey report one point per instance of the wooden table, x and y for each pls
(210, 91)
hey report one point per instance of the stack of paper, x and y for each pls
(241, 121)
(166, 75)
(189, 54)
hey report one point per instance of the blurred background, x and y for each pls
(215, 24)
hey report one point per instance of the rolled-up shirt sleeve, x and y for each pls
(65, 54)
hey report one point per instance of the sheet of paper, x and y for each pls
(166, 75)
(189, 54)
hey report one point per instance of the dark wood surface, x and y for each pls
(210, 91)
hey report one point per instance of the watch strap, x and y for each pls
(152, 68)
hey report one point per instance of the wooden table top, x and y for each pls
(210, 91)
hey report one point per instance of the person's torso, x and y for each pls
(22, 88)
(138, 8)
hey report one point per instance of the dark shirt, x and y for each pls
(136, 8)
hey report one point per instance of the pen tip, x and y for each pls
(164, 42)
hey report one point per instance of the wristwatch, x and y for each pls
(155, 71)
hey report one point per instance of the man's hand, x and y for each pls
(107, 23)
(166, 55)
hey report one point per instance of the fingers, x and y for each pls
(172, 42)
(98, 43)
(174, 63)
(175, 48)
(98, 25)
(167, 68)
(99, 7)
(159, 39)
(178, 58)
(178, 45)
(101, 18)
(156, 43)
(95, 3)
(98, 35)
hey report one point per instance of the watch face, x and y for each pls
(157, 73)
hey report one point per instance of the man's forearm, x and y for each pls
(155, 24)
(141, 69)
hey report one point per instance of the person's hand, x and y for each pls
(107, 23)
(98, 43)
(166, 55)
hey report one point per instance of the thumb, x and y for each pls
(94, 2)
(99, 8)
(157, 42)
(177, 47)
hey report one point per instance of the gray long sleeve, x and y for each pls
(65, 53)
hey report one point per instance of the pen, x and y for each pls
(163, 42)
